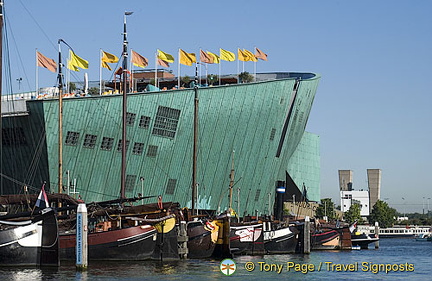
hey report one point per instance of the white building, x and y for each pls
(349, 197)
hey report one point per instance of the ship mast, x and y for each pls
(195, 140)
(1, 93)
(60, 123)
(125, 90)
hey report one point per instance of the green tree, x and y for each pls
(245, 77)
(326, 208)
(93, 91)
(212, 78)
(72, 87)
(383, 214)
(185, 80)
(353, 214)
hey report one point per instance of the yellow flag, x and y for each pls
(110, 58)
(165, 57)
(215, 57)
(250, 55)
(186, 58)
(226, 55)
(71, 66)
(75, 62)
(242, 56)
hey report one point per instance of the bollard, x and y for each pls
(81, 238)
(182, 239)
(306, 233)
(377, 235)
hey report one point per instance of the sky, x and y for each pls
(373, 105)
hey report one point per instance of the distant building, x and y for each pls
(365, 198)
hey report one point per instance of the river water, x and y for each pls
(396, 259)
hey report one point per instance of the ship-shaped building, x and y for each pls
(256, 129)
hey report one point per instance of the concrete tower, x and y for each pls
(374, 184)
(345, 180)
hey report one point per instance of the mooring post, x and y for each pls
(81, 238)
(377, 235)
(306, 237)
(182, 239)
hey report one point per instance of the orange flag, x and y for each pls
(260, 54)
(139, 60)
(204, 57)
(48, 63)
(162, 63)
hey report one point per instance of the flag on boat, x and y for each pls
(76, 62)
(226, 55)
(260, 54)
(108, 58)
(214, 57)
(164, 56)
(139, 60)
(186, 58)
(42, 200)
(45, 62)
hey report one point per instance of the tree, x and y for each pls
(326, 208)
(93, 91)
(185, 80)
(72, 87)
(212, 78)
(353, 214)
(245, 77)
(383, 214)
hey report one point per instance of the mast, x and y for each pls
(1, 92)
(195, 140)
(60, 123)
(231, 184)
(125, 90)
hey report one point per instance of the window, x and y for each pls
(138, 148)
(257, 194)
(120, 145)
(166, 122)
(272, 134)
(130, 118)
(130, 182)
(152, 151)
(90, 141)
(171, 186)
(13, 136)
(144, 122)
(72, 138)
(107, 143)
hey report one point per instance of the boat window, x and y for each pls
(171, 186)
(166, 122)
(90, 141)
(107, 143)
(144, 122)
(152, 151)
(120, 145)
(130, 118)
(72, 138)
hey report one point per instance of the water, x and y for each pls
(393, 252)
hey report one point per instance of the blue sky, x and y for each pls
(373, 105)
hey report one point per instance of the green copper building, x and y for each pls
(257, 128)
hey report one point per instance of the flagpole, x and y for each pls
(156, 63)
(130, 66)
(238, 66)
(255, 63)
(100, 71)
(37, 75)
(220, 68)
(178, 70)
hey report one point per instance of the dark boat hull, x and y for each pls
(281, 241)
(363, 240)
(201, 244)
(35, 244)
(247, 240)
(133, 243)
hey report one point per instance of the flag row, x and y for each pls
(74, 62)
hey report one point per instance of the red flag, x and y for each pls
(260, 54)
(204, 57)
(162, 63)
